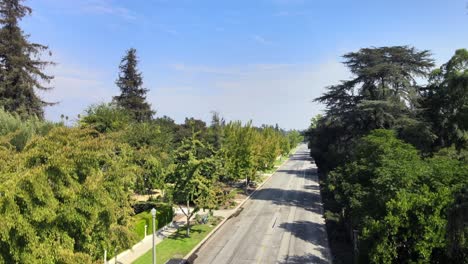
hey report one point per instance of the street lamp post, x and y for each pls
(153, 213)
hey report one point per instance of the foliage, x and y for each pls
(130, 82)
(395, 199)
(189, 127)
(237, 151)
(382, 94)
(215, 133)
(19, 132)
(294, 138)
(246, 150)
(105, 118)
(406, 201)
(445, 101)
(457, 230)
(193, 178)
(21, 67)
(67, 194)
(151, 146)
(153, 149)
(164, 215)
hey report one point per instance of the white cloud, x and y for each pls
(108, 7)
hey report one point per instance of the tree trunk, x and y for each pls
(188, 218)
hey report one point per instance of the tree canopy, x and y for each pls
(392, 156)
(67, 194)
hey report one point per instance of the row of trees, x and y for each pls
(192, 162)
(66, 191)
(393, 156)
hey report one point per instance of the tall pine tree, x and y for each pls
(21, 68)
(133, 95)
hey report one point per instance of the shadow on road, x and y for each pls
(308, 231)
(298, 172)
(301, 156)
(309, 258)
(312, 233)
(307, 200)
(312, 187)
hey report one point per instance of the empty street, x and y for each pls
(281, 223)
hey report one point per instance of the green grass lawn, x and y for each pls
(178, 245)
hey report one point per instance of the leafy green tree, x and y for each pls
(193, 178)
(167, 126)
(133, 95)
(105, 118)
(21, 67)
(268, 144)
(294, 138)
(238, 151)
(153, 149)
(65, 198)
(189, 127)
(396, 200)
(18, 132)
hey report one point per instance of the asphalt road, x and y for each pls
(281, 223)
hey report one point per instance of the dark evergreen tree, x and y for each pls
(21, 68)
(382, 95)
(445, 101)
(133, 95)
(215, 133)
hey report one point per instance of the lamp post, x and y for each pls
(153, 213)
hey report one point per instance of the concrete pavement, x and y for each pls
(281, 223)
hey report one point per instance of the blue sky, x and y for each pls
(264, 60)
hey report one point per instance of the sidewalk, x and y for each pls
(130, 255)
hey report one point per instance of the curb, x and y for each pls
(187, 257)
